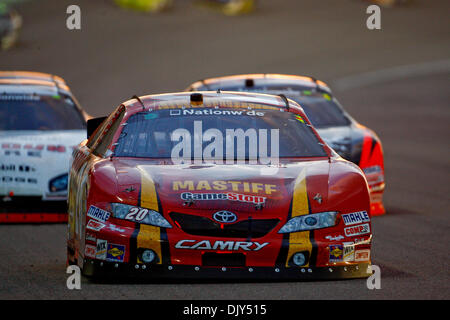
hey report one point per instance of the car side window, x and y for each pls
(107, 133)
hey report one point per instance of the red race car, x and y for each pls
(215, 184)
(350, 139)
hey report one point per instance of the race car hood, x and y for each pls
(197, 188)
(29, 160)
(239, 188)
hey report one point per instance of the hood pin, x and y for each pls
(318, 198)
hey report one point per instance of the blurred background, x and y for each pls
(121, 52)
(394, 80)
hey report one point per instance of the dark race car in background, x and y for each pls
(215, 185)
(40, 123)
(345, 135)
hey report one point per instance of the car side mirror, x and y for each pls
(93, 124)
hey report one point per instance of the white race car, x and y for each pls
(40, 123)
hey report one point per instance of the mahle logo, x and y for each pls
(251, 145)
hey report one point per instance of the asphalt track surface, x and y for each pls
(119, 53)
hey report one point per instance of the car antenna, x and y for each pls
(140, 101)
(285, 100)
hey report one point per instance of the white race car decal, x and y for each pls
(36, 163)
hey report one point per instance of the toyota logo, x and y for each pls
(224, 216)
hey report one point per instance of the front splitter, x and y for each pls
(107, 269)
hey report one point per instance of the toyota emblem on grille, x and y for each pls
(224, 216)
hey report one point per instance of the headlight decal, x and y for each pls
(150, 237)
(139, 215)
(299, 241)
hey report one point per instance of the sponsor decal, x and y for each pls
(26, 168)
(220, 245)
(7, 167)
(9, 152)
(223, 196)
(326, 96)
(34, 154)
(18, 179)
(299, 118)
(222, 185)
(32, 147)
(336, 253)
(214, 112)
(137, 214)
(286, 92)
(19, 97)
(89, 251)
(361, 241)
(10, 146)
(224, 216)
(376, 197)
(357, 230)
(362, 255)
(373, 169)
(349, 251)
(90, 237)
(355, 218)
(98, 214)
(102, 246)
(334, 238)
(115, 252)
(113, 227)
(95, 225)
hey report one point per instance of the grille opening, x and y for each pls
(203, 226)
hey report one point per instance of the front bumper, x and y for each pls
(104, 269)
(114, 247)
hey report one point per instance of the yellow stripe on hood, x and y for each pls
(299, 241)
(149, 237)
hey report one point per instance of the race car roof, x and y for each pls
(258, 80)
(209, 99)
(31, 82)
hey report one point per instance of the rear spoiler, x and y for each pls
(93, 124)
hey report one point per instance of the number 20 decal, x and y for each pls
(136, 214)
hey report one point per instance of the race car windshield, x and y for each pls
(320, 108)
(218, 134)
(35, 112)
